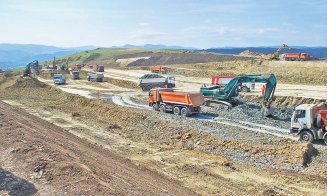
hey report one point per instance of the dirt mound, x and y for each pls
(28, 83)
(178, 58)
(286, 101)
(249, 53)
(122, 83)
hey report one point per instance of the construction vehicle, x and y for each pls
(309, 121)
(275, 55)
(159, 69)
(34, 65)
(222, 81)
(149, 81)
(225, 95)
(180, 103)
(295, 56)
(98, 68)
(59, 79)
(74, 75)
(95, 77)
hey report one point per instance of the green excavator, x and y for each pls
(225, 95)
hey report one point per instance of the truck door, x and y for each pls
(299, 119)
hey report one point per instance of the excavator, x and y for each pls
(275, 55)
(226, 94)
(34, 65)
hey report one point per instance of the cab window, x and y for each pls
(300, 114)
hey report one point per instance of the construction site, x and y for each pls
(158, 122)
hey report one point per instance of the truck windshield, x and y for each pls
(299, 113)
(57, 77)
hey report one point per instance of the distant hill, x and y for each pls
(318, 52)
(16, 55)
(155, 47)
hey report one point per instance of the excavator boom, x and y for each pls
(32, 65)
(231, 89)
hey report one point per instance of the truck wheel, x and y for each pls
(155, 107)
(306, 136)
(177, 111)
(163, 108)
(325, 138)
(184, 112)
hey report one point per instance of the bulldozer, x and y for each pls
(275, 55)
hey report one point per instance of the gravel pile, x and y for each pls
(146, 76)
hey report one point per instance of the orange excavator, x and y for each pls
(275, 55)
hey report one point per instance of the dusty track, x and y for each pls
(64, 163)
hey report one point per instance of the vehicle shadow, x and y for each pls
(15, 185)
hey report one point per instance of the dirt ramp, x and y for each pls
(286, 101)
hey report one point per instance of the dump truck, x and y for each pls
(98, 68)
(295, 56)
(159, 69)
(149, 81)
(59, 79)
(309, 121)
(95, 77)
(179, 103)
(222, 81)
(74, 75)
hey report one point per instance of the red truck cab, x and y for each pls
(98, 68)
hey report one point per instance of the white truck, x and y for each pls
(149, 81)
(95, 77)
(222, 81)
(309, 121)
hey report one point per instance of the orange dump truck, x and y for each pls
(295, 56)
(159, 69)
(180, 103)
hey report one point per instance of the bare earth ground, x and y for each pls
(207, 156)
(41, 158)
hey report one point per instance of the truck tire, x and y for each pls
(155, 107)
(177, 110)
(325, 138)
(184, 112)
(306, 136)
(163, 108)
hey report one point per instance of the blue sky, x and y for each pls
(195, 23)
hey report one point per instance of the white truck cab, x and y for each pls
(308, 122)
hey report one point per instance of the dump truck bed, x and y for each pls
(183, 98)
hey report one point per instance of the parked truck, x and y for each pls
(59, 79)
(295, 56)
(310, 122)
(95, 77)
(180, 103)
(74, 75)
(222, 81)
(149, 81)
(159, 69)
(98, 68)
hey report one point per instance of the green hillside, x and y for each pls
(97, 56)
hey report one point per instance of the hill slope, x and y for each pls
(15, 55)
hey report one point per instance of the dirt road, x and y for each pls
(193, 84)
(40, 157)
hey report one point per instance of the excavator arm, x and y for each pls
(32, 65)
(231, 89)
(275, 55)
